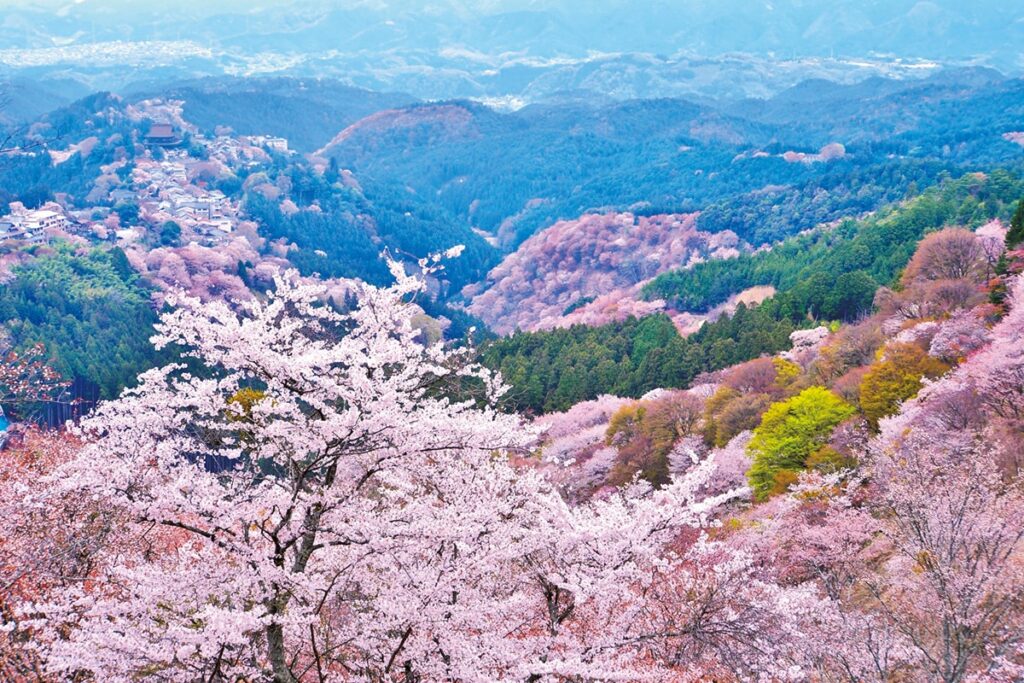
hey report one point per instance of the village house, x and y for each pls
(121, 195)
(45, 219)
(29, 225)
(273, 142)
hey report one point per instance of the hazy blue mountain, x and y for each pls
(525, 49)
(513, 173)
(25, 99)
(940, 29)
(307, 111)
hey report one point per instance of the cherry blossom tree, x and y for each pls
(319, 496)
(683, 608)
(26, 378)
(963, 333)
(924, 557)
(324, 476)
(822, 533)
(573, 448)
(997, 371)
(315, 495)
(46, 542)
(952, 584)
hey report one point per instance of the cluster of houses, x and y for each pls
(164, 192)
(167, 185)
(268, 142)
(203, 214)
(32, 225)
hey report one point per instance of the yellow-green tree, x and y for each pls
(790, 432)
(729, 412)
(894, 379)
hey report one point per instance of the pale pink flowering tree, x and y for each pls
(926, 560)
(332, 499)
(731, 461)
(997, 371)
(805, 345)
(46, 542)
(681, 606)
(963, 333)
(318, 496)
(822, 533)
(954, 516)
(572, 446)
(951, 586)
(712, 614)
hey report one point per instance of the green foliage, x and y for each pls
(843, 189)
(350, 228)
(578, 304)
(997, 289)
(627, 431)
(828, 460)
(829, 274)
(789, 433)
(170, 234)
(411, 225)
(558, 161)
(462, 327)
(1015, 235)
(331, 242)
(833, 274)
(34, 179)
(553, 370)
(786, 371)
(90, 313)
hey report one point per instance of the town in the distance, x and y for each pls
(167, 188)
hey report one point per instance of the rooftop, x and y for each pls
(160, 130)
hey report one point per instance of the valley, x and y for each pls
(570, 213)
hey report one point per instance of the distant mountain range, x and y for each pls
(933, 29)
(510, 52)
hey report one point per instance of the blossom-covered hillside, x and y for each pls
(578, 365)
(557, 276)
(326, 500)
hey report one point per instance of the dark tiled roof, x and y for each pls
(160, 130)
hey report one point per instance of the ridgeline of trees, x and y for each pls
(33, 178)
(518, 173)
(553, 370)
(349, 228)
(849, 260)
(820, 278)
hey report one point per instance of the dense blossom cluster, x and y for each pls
(331, 499)
(594, 265)
(315, 495)
(908, 518)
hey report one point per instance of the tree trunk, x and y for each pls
(275, 650)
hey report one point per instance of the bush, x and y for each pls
(789, 434)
